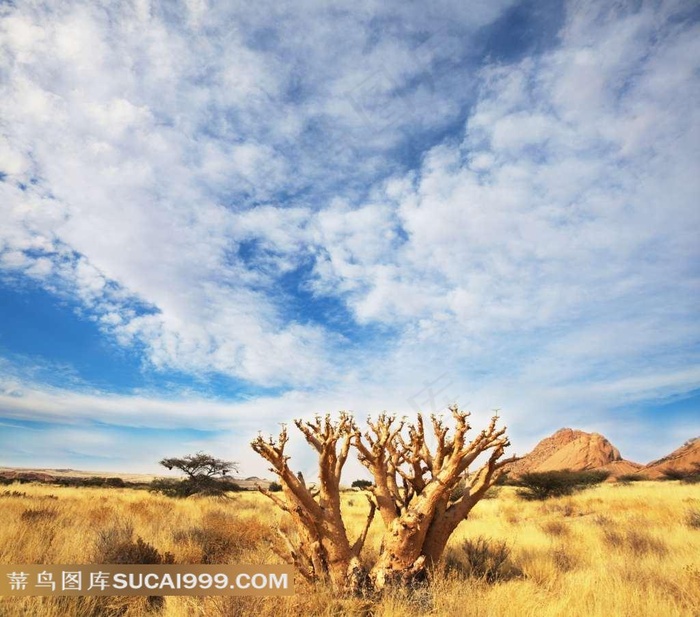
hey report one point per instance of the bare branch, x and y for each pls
(360, 542)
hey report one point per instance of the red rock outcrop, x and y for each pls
(577, 450)
(685, 458)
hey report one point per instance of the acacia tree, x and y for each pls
(204, 473)
(413, 485)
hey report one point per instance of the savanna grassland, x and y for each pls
(630, 550)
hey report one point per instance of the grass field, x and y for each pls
(631, 550)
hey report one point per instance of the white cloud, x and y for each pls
(546, 251)
(141, 143)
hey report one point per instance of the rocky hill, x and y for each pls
(685, 458)
(577, 450)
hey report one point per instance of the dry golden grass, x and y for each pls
(611, 550)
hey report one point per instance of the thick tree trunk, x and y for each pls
(401, 559)
(389, 574)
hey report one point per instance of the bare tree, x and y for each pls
(413, 485)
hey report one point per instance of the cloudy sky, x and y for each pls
(216, 217)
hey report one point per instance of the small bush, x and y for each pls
(114, 483)
(628, 478)
(492, 492)
(546, 484)
(674, 474)
(602, 521)
(693, 519)
(555, 528)
(35, 515)
(116, 545)
(275, 487)
(13, 494)
(563, 560)
(506, 480)
(636, 542)
(361, 484)
(689, 476)
(488, 560)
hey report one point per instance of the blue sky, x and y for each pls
(218, 218)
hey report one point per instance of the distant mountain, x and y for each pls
(685, 458)
(577, 450)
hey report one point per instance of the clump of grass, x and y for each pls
(487, 560)
(636, 542)
(117, 545)
(13, 494)
(36, 515)
(641, 543)
(564, 560)
(693, 519)
(555, 528)
(602, 521)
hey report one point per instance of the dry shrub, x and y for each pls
(563, 560)
(485, 559)
(555, 528)
(636, 542)
(693, 519)
(116, 545)
(38, 515)
(602, 521)
(628, 478)
(564, 508)
(641, 544)
(13, 494)
(614, 538)
(568, 509)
